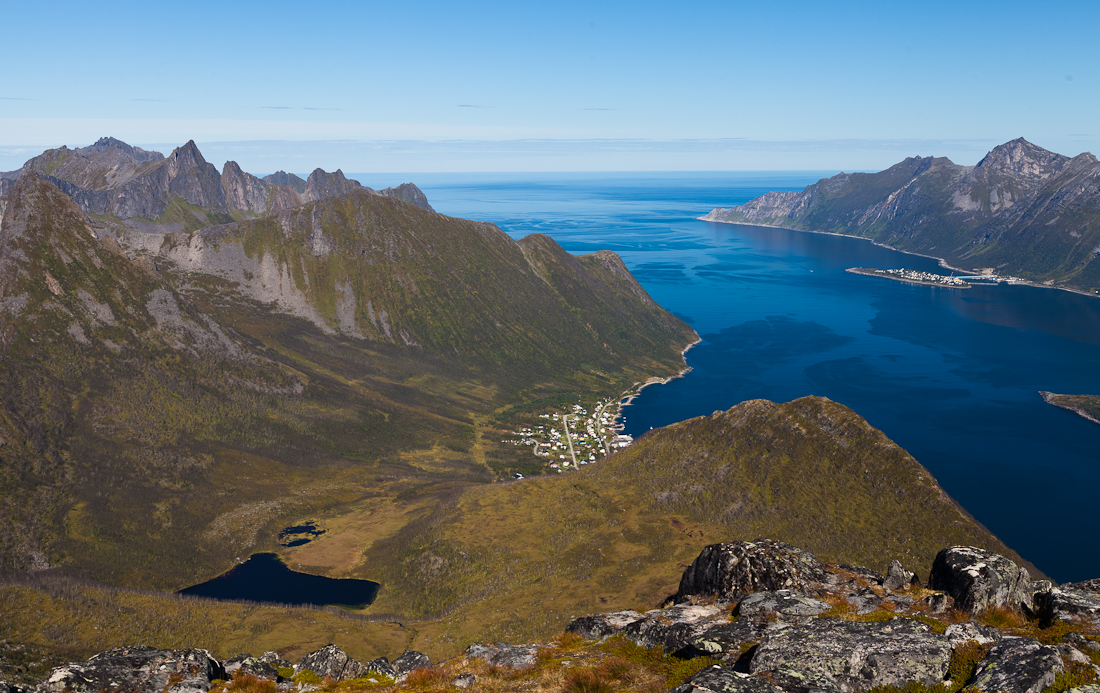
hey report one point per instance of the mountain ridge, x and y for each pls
(1021, 211)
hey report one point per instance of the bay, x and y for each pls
(951, 375)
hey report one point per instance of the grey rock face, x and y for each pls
(796, 681)
(275, 660)
(320, 185)
(600, 626)
(938, 603)
(1064, 603)
(960, 633)
(244, 191)
(254, 666)
(672, 628)
(464, 680)
(898, 578)
(978, 579)
(787, 606)
(333, 663)
(288, 179)
(503, 655)
(1018, 665)
(137, 670)
(407, 192)
(1087, 586)
(726, 641)
(717, 679)
(857, 656)
(728, 572)
(410, 660)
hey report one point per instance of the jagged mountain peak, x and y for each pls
(1022, 159)
(284, 178)
(137, 153)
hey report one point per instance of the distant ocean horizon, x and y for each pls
(951, 375)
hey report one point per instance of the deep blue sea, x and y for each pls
(951, 375)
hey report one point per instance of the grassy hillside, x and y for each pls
(513, 561)
(159, 423)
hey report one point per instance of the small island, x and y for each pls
(1087, 406)
(912, 277)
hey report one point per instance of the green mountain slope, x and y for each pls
(1022, 210)
(167, 414)
(512, 561)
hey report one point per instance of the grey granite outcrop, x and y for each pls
(1018, 665)
(718, 679)
(978, 579)
(857, 656)
(137, 670)
(728, 572)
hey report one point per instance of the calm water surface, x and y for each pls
(951, 375)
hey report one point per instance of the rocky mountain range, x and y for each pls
(1021, 211)
(111, 178)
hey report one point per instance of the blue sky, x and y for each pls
(514, 86)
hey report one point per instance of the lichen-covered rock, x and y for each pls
(864, 600)
(857, 656)
(1090, 688)
(379, 667)
(1067, 603)
(938, 603)
(247, 664)
(600, 626)
(978, 579)
(1081, 642)
(672, 628)
(787, 606)
(410, 660)
(960, 633)
(718, 679)
(275, 660)
(333, 663)
(1018, 665)
(728, 572)
(137, 670)
(796, 681)
(503, 655)
(725, 641)
(898, 578)
(464, 680)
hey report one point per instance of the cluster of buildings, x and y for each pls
(568, 440)
(925, 277)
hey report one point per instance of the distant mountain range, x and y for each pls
(113, 178)
(1022, 211)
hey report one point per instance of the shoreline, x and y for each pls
(942, 262)
(867, 272)
(1048, 397)
(628, 396)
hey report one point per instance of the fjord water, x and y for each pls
(950, 375)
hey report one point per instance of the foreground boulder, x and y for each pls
(717, 679)
(978, 579)
(784, 605)
(1018, 665)
(409, 661)
(601, 626)
(254, 666)
(728, 572)
(137, 670)
(502, 655)
(857, 656)
(330, 662)
(1068, 603)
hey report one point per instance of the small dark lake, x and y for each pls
(265, 578)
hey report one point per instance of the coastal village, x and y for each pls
(578, 436)
(932, 279)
